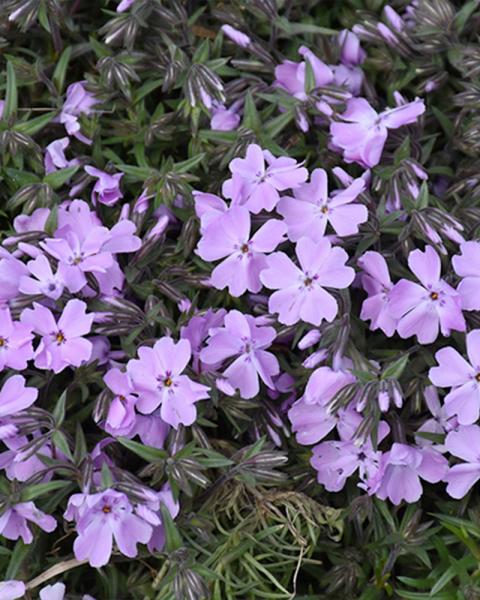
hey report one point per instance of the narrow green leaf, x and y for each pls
(395, 369)
(187, 165)
(61, 67)
(173, 540)
(60, 441)
(58, 178)
(40, 489)
(251, 118)
(18, 556)
(34, 125)
(148, 453)
(11, 96)
(59, 410)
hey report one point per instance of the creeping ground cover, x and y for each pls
(239, 300)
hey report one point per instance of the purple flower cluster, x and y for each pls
(306, 283)
(287, 280)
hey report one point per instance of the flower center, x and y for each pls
(244, 249)
(107, 509)
(59, 338)
(361, 456)
(434, 296)
(51, 287)
(308, 281)
(167, 382)
(477, 377)
(324, 210)
(3, 342)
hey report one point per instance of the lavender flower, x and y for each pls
(463, 377)
(102, 518)
(14, 521)
(311, 209)
(363, 133)
(121, 413)
(78, 101)
(107, 187)
(464, 444)
(15, 396)
(243, 338)
(55, 156)
(291, 76)
(10, 590)
(229, 236)
(401, 469)
(423, 309)
(223, 118)
(376, 282)
(301, 294)
(42, 280)
(15, 342)
(467, 266)
(62, 343)
(257, 186)
(158, 380)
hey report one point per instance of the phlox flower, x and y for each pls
(15, 396)
(196, 332)
(165, 497)
(62, 343)
(208, 208)
(14, 521)
(11, 272)
(21, 464)
(439, 424)
(256, 184)
(223, 118)
(79, 257)
(151, 429)
(348, 73)
(324, 383)
(34, 222)
(376, 281)
(362, 132)
(467, 266)
(229, 236)
(55, 156)
(12, 589)
(291, 76)
(424, 308)
(301, 294)
(463, 377)
(55, 591)
(465, 444)
(102, 518)
(311, 208)
(78, 101)
(312, 422)
(42, 280)
(336, 461)
(158, 380)
(121, 412)
(401, 469)
(107, 187)
(15, 342)
(241, 337)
